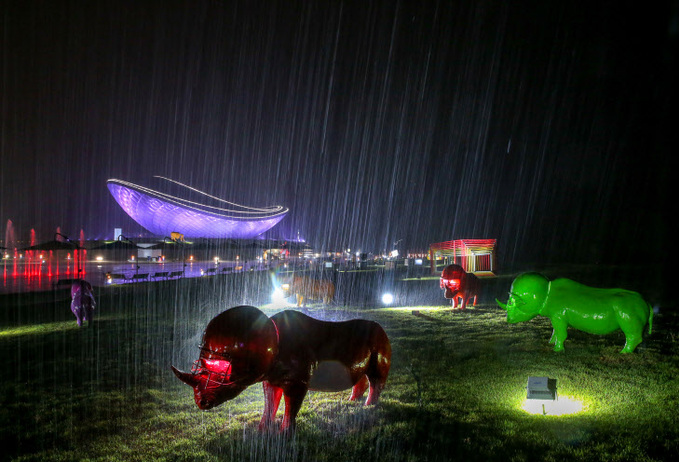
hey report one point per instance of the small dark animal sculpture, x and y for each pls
(459, 285)
(290, 353)
(82, 301)
(306, 288)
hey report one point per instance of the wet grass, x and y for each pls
(455, 391)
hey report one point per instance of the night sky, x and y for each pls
(543, 124)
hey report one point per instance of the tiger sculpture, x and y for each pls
(313, 289)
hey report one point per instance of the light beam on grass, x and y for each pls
(564, 405)
(542, 398)
(416, 308)
(31, 329)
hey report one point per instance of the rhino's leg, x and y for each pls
(474, 303)
(359, 389)
(376, 387)
(559, 334)
(632, 315)
(89, 314)
(272, 398)
(630, 344)
(378, 372)
(294, 395)
(633, 330)
(463, 306)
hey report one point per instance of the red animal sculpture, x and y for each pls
(290, 353)
(82, 301)
(459, 285)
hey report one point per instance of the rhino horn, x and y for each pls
(502, 305)
(185, 377)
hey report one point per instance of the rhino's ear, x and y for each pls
(501, 305)
(185, 377)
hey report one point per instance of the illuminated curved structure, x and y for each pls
(162, 213)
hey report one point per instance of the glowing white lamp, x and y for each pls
(387, 298)
(278, 298)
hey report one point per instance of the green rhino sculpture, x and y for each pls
(569, 303)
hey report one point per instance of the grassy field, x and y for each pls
(455, 392)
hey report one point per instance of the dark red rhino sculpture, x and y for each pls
(289, 353)
(459, 285)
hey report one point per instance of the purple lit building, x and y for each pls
(162, 213)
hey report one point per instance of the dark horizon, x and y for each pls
(546, 127)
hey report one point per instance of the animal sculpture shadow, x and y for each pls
(570, 304)
(82, 301)
(290, 353)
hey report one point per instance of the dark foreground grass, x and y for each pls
(455, 390)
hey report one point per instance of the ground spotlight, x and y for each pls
(542, 398)
(540, 394)
(387, 298)
(278, 297)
